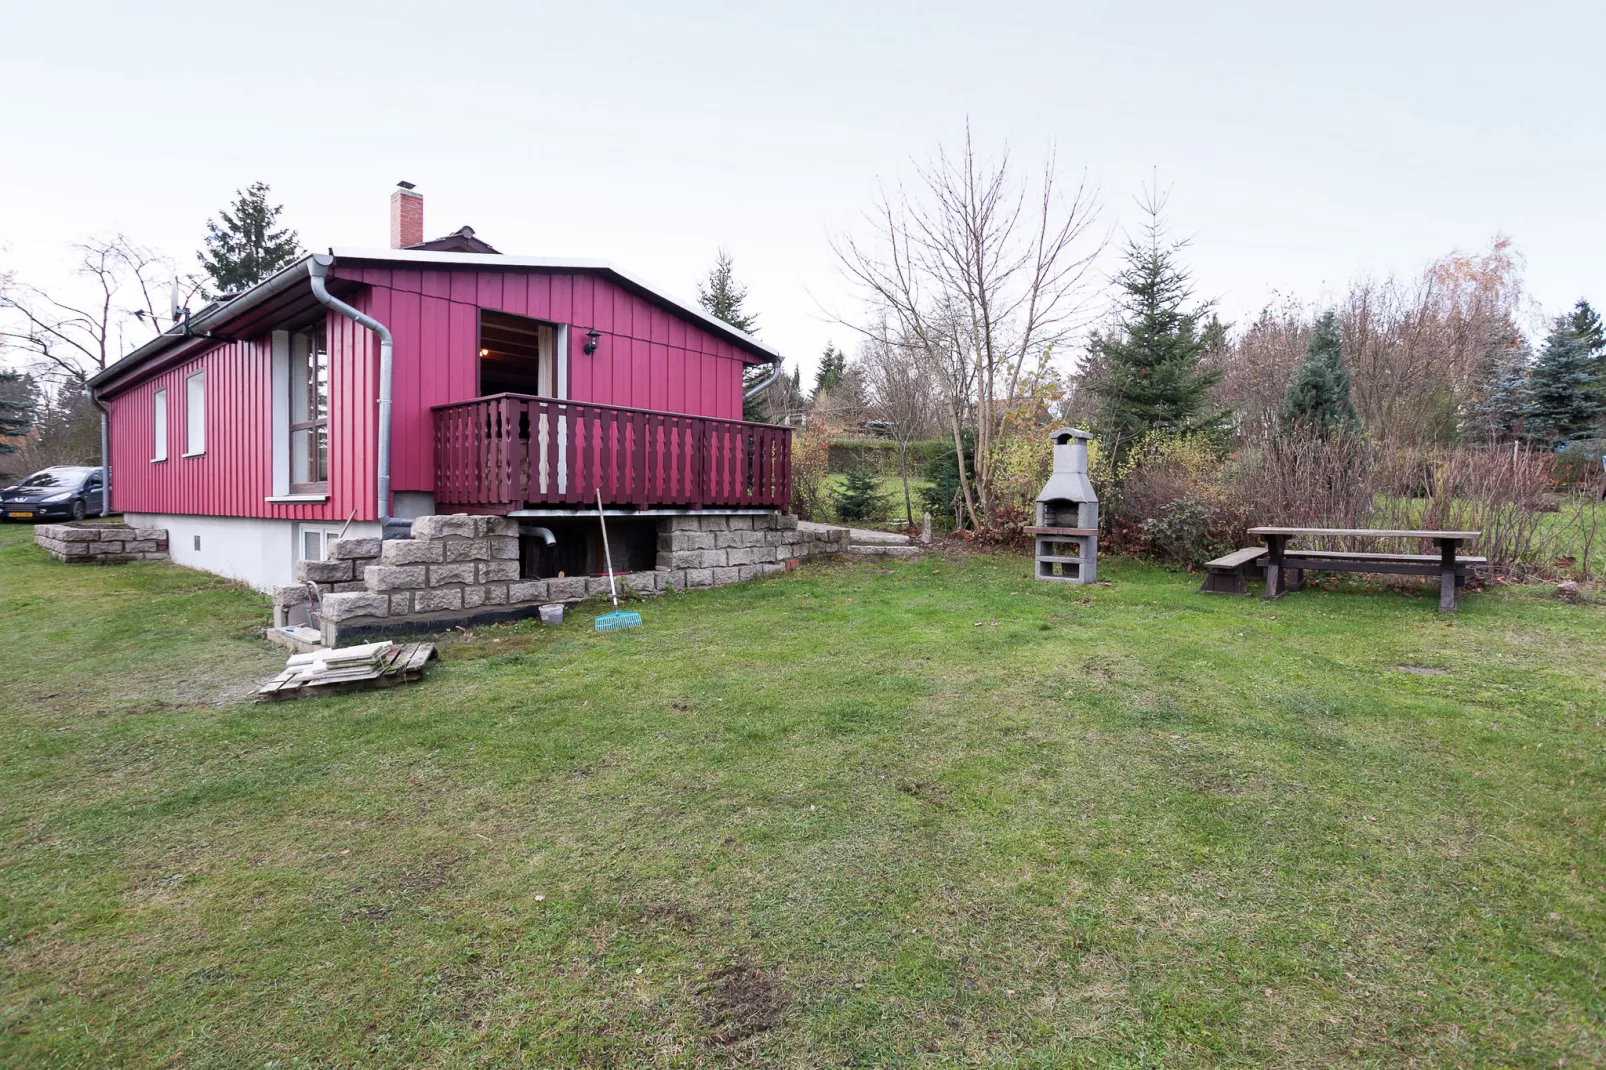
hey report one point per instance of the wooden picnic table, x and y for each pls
(1285, 568)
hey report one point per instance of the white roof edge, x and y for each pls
(424, 257)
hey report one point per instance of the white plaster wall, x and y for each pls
(259, 552)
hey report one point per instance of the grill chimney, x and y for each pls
(406, 216)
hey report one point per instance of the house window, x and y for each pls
(313, 544)
(159, 427)
(517, 355)
(309, 413)
(195, 414)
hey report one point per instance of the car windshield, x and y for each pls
(56, 478)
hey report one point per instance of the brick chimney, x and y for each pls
(406, 216)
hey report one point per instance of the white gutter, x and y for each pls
(318, 269)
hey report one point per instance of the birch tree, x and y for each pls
(980, 275)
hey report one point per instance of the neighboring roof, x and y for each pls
(288, 293)
(461, 240)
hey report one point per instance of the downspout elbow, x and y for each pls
(318, 270)
(758, 388)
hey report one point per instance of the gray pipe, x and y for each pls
(105, 463)
(318, 268)
(545, 533)
(766, 384)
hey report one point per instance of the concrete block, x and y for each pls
(723, 576)
(293, 594)
(393, 577)
(343, 588)
(713, 559)
(747, 572)
(436, 601)
(739, 523)
(495, 594)
(724, 540)
(437, 527)
(685, 523)
(63, 533)
(529, 591)
(699, 577)
(325, 571)
(498, 570)
(770, 569)
(664, 560)
(473, 597)
(596, 585)
(353, 549)
(785, 522)
(645, 582)
(140, 546)
(740, 557)
(105, 547)
(338, 607)
(715, 523)
(684, 559)
(462, 572)
(143, 534)
(503, 548)
(458, 549)
(571, 589)
(401, 603)
(411, 552)
(504, 526)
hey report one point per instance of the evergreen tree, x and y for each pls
(1587, 325)
(16, 410)
(245, 245)
(724, 298)
(1565, 403)
(860, 497)
(833, 364)
(1318, 397)
(1148, 372)
(1499, 412)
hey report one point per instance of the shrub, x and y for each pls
(809, 466)
(1187, 534)
(860, 496)
(944, 496)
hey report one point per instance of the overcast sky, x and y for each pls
(1302, 148)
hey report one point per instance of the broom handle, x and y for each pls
(607, 554)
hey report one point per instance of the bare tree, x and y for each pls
(905, 398)
(978, 277)
(70, 339)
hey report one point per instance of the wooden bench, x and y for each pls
(1286, 568)
(1230, 574)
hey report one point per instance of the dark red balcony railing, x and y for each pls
(512, 451)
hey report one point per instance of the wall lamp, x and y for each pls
(593, 336)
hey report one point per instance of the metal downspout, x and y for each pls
(105, 460)
(759, 388)
(318, 270)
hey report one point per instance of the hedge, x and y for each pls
(880, 455)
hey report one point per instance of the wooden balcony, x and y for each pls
(514, 451)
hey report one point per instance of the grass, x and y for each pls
(926, 814)
(891, 492)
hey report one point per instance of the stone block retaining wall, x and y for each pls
(101, 544)
(462, 569)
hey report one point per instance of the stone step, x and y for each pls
(884, 550)
(867, 537)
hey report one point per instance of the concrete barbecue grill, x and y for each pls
(1067, 533)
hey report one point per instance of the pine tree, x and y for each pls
(1148, 371)
(1318, 397)
(16, 410)
(724, 298)
(860, 497)
(1587, 325)
(245, 245)
(828, 376)
(1500, 411)
(1566, 404)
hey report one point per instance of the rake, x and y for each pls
(619, 618)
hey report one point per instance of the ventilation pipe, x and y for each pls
(318, 268)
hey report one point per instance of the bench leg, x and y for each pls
(1448, 589)
(1274, 582)
(1296, 579)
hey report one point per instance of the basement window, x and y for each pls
(313, 543)
(309, 413)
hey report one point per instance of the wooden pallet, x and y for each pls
(401, 664)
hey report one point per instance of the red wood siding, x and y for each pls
(647, 358)
(235, 474)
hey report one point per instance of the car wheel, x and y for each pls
(78, 510)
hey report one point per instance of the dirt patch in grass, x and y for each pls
(933, 794)
(671, 915)
(740, 1001)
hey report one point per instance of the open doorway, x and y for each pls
(518, 355)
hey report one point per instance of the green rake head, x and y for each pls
(619, 618)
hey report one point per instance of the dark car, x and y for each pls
(59, 493)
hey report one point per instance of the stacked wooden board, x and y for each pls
(322, 672)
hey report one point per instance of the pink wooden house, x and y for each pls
(358, 389)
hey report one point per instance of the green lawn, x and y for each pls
(891, 493)
(931, 814)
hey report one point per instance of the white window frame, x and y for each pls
(195, 413)
(159, 426)
(327, 533)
